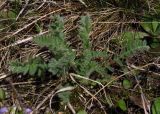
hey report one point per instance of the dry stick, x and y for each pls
(44, 1)
(3, 75)
(27, 1)
(69, 88)
(26, 26)
(18, 97)
(145, 102)
(81, 1)
(119, 78)
(53, 93)
(23, 41)
(19, 83)
(85, 78)
(42, 92)
(79, 76)
(108, 84)
(71, 108)
(93, 97)
(3, 58)
(142, 69)
(115, 80)
(114, 22)
(2, 5)
(46, 98)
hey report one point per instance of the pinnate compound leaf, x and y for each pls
(84, 30)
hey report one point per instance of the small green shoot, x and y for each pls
(2, 94)
(152, 27)
(122, 105)
(126, 84)
(156, 106)
(82, 112)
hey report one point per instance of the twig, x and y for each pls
(110, 83)
(44, 1)
(23, 41)
(71, 108)
(145, 103)
(93, 97)
(19, 83)
(27, 1)
(3, 75)
(26, 26)
(82, 77)
(81, 1)
(53, 93)
(17, 96)
(59, 91)
(42, 92)
(2, 4)
(142, 69)
(44, 100)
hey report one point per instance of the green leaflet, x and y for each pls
(2, 95)
(87, 68)
(84, 30)
(122, 105)
(64, 96)
(156, 106)
(82, 112)
(132, 42)
(152, 27)
(86, 64)
(147, 27)
(155, 25)
(61, 65)
(126, 84)
(55, 40)
(32, 67)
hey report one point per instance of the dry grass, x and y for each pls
(16, 43)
